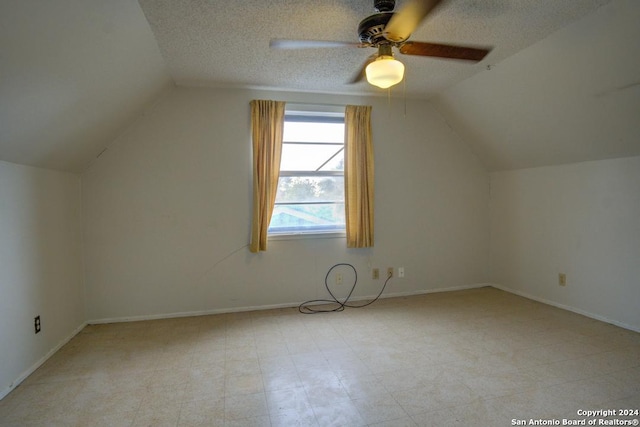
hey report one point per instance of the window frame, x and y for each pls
(312, 114)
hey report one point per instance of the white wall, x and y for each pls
(74, 73)
(40, 266)
(572, 97)
(580, 219)
(167, 211)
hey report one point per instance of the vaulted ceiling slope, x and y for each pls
(73, 75)
(574, 96)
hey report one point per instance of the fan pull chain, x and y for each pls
(404, 93)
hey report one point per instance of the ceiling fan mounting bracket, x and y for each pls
(384, 5)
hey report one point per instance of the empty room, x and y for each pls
(319, 213)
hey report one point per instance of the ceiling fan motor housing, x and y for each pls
(371, 29)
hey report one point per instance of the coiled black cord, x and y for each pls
(305, 309)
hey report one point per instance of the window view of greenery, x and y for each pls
(310, 196)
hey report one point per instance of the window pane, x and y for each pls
(310, 189)
(336, 163)
(309, 157)
(313, 145)
(313, 132)
(307, 218)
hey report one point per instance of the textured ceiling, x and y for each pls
(226, 43)
(563, 84)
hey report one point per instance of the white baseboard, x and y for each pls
(40, 362)
(428, 291)
(272, 306)
(566, 307)
(188, 313)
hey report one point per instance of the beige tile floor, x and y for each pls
(480, 357)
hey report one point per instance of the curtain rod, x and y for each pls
(302, 106)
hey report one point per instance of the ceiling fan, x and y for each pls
(386, 30)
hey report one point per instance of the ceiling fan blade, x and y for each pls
(362, 72)
(406, 20)
(308, 44)
(444, 51)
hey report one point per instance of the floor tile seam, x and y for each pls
(623, 370)
(572, 399)
(607, 378)
(137, 411)
(623, 347)
(600, 365)
(627, 395)
(277, 371)
(495, 398)
(560, 345)
(264, 385)
(391, 394)
(364, 416)
(226, 418)
(597, 350)
(262, 373)
(261, 361)
(448, 408)
(9, 405)
(317, 408)
(280, 412)
(542, 364)
(501, 392)
(307, 388)
(444, 406)
(182, 404)
(539, 388)
(628, 348)
(494, 402)
(185, 398)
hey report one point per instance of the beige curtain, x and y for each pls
(358, 176)
(267, 122)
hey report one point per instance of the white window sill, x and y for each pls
(298, 236)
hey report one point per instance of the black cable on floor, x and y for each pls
(305, 309)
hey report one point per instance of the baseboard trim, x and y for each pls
(566, 307)
(427, 291)
(188, 313)
(40, 362)
(273, 306)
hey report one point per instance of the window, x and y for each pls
(310, 197)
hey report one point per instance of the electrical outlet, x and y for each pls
(339, 278)
(562, 279)
(400, 272)
(390, 272)
(36, 324)
(376, 273)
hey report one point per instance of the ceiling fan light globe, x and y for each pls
(385, 72)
